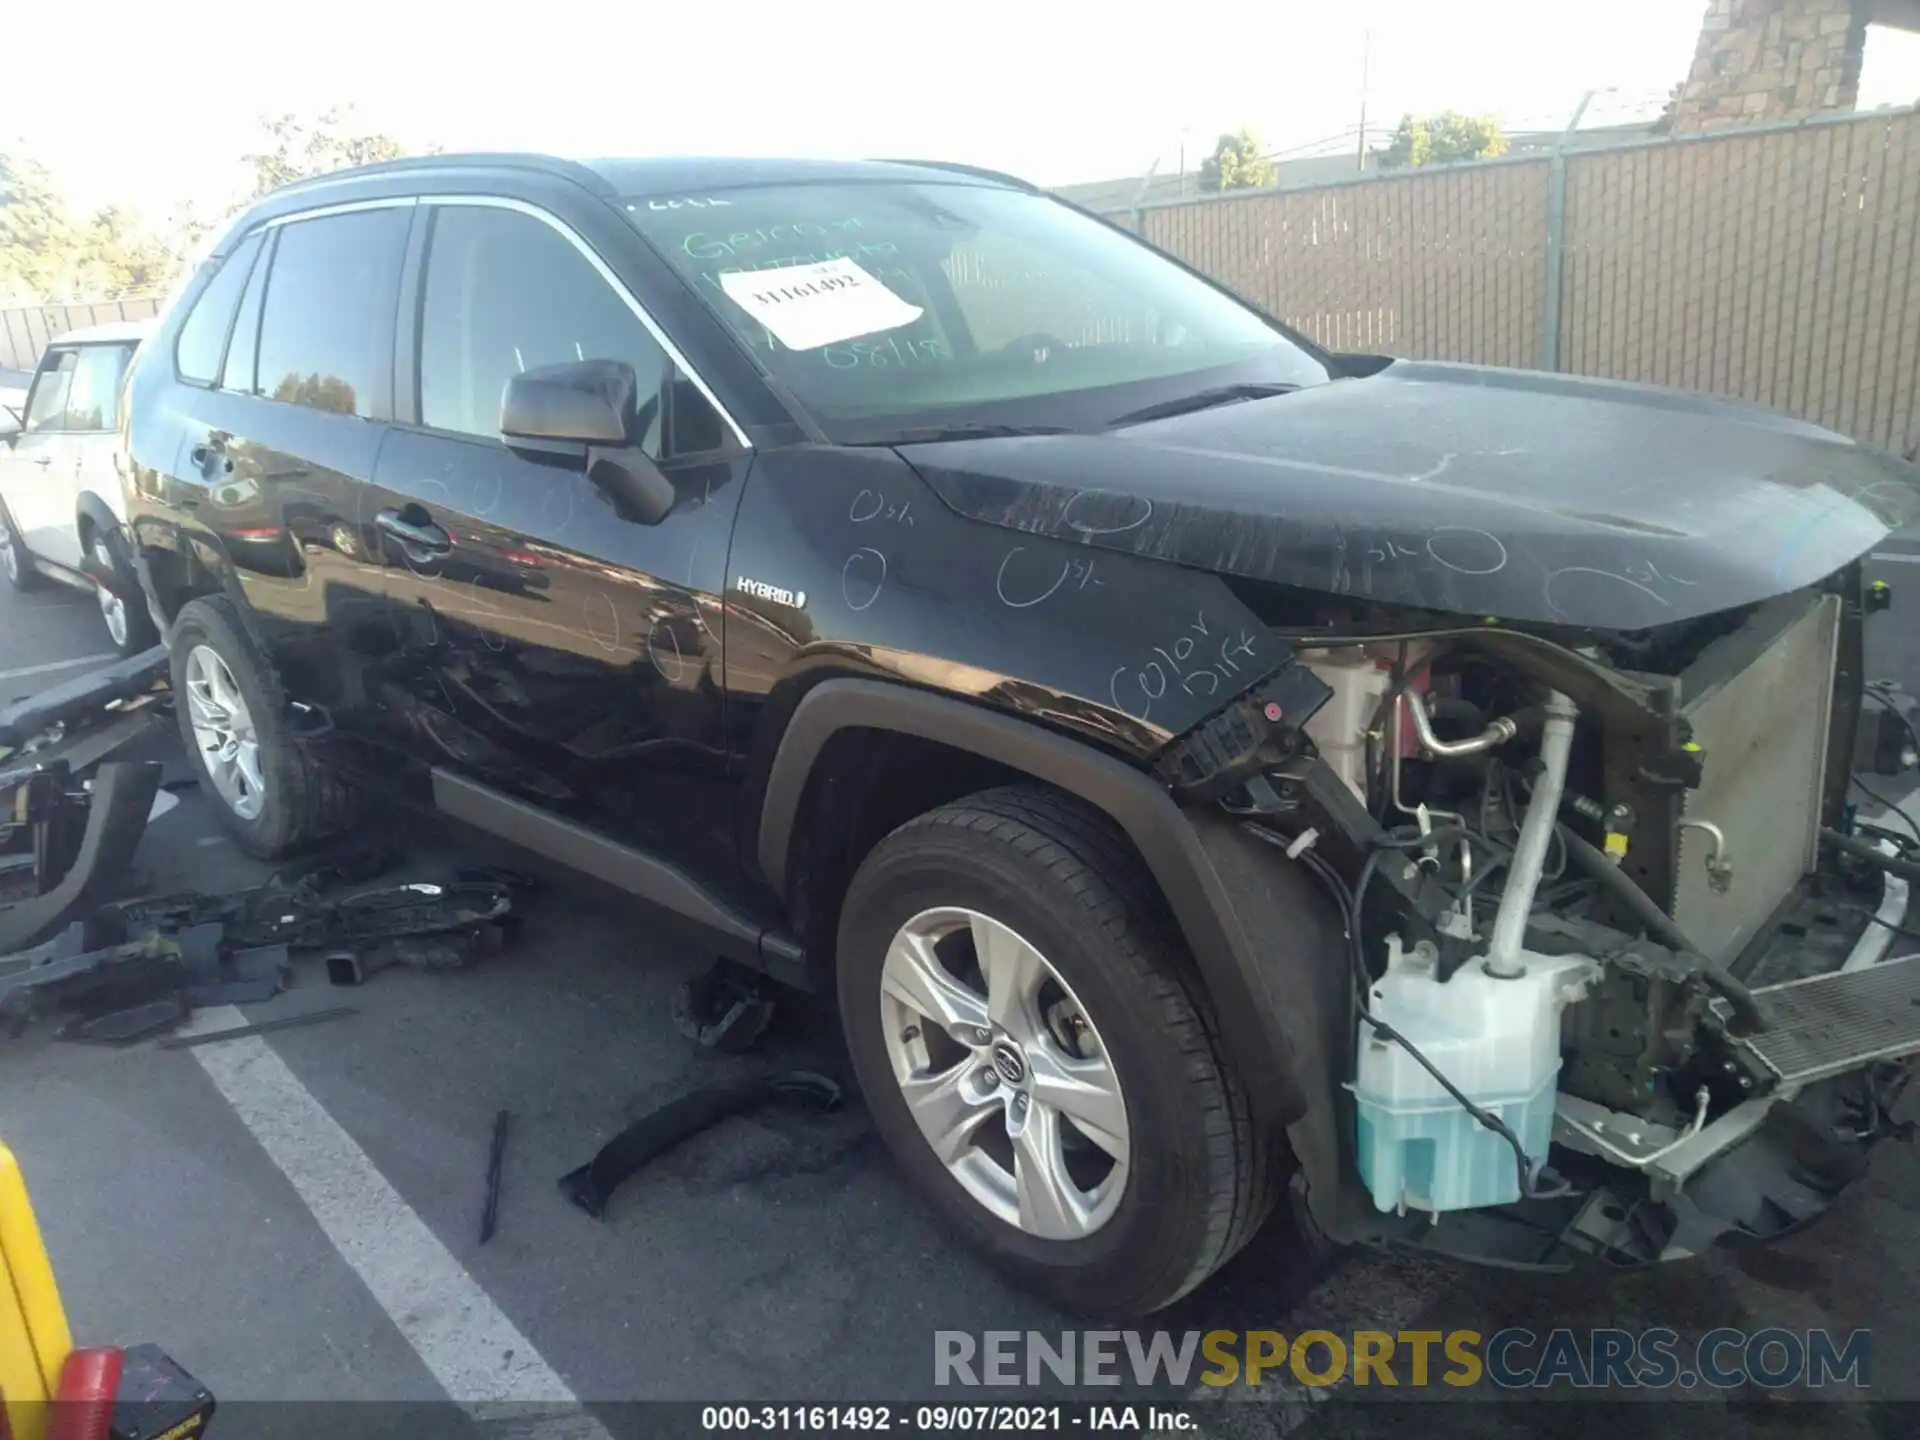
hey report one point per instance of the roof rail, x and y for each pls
(979, 171)
(507, 160)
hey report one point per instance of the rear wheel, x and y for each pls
(16, 561)
(272, 795)
(1035, 1048)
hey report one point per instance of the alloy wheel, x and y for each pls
(1005, 1073)
(224, 732)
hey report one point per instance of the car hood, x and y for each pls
(1520, 495)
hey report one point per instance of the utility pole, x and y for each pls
(1556, 237)
(1366, 54)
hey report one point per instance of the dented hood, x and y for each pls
(1526, 496)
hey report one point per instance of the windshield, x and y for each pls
(879, 304)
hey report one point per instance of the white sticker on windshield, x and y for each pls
(807, 306)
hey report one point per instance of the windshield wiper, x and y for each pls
(1200, 400)
(959, 430)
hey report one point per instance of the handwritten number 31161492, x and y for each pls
(1196, 661)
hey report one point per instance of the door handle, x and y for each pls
(413, 529)
(203, 457)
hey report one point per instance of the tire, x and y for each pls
(299, 801)
(123, 604)
(16, 561)
(1201, 1177)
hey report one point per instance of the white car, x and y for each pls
(61, 511)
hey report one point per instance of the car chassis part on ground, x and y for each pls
(70, 939)
(1172, 743)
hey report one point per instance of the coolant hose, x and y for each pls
(1872, 854)
(1622, 887)
(1536, 837)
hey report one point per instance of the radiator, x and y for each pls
(1760, 702)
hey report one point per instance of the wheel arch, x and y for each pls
(179, 563)
(91, 513)
(1249, 1002)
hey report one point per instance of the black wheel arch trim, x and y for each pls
(203, 548)
(1245, 995)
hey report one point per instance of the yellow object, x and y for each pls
(1616, 845)
(34, 1339)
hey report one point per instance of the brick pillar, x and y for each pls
(1761, 60)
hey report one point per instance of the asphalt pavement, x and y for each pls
(296, 1217)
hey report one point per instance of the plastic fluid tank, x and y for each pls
(1497, 1041)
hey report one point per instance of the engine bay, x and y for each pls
(1569, 865)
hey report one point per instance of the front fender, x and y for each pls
(1250, 990)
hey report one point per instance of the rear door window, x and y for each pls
(326, 325)
(47, 407)
(203, 338)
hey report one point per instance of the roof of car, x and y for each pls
(106, 334)
(679, 174)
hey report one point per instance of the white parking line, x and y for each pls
(472, 1349)
(1898, 557)
(72, 664)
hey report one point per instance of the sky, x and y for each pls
(153, 110)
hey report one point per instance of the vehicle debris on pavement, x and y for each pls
(496, 1159)
(726, 1007)
(72, 815)
(197, 949)
(259, 1027)
(621, 1158)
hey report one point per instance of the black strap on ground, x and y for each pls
(496, 1155)
(263, 1027)
(592, 1185)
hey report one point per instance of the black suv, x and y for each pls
(1201, 764)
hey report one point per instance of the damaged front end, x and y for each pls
(1613, 977)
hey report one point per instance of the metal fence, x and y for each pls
(26, 330)
(1779, 264)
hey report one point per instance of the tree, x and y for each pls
(1237, 163)
(38, 239)
(301, 147)
(118, 255)
(1443, 139)
(49, 253)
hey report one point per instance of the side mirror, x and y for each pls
(590, 402)
(587, 408)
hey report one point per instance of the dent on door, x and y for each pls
(547, 646)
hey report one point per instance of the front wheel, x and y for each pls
(1037, 1051)
(16, 561)
(123, 605)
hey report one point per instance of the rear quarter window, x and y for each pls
(202, 341)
